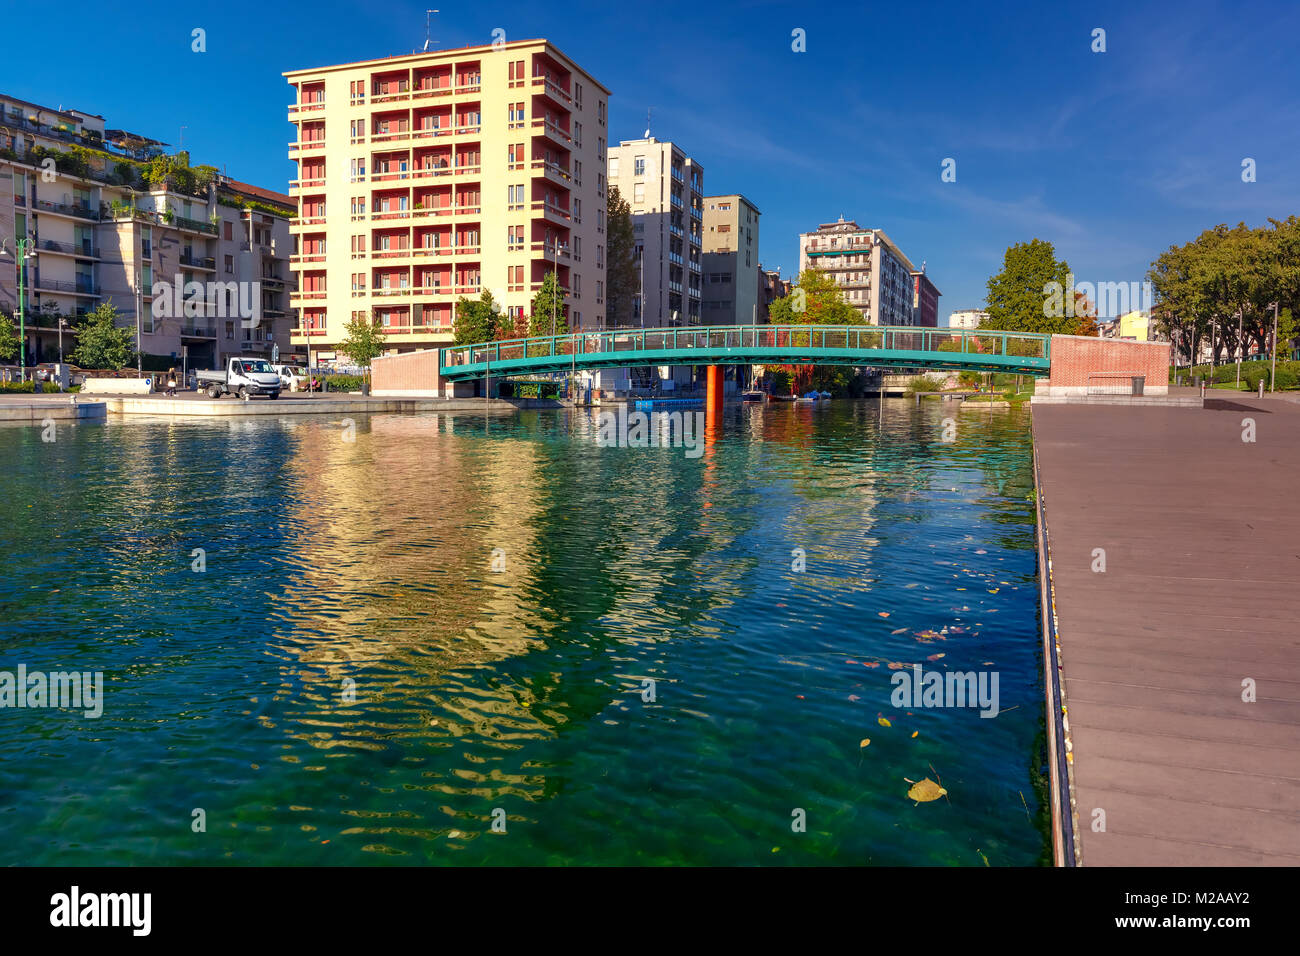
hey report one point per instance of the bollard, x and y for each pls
(1261, 388)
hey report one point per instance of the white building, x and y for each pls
(966, 318)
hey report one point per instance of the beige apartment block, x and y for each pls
(876, 277)
(665, 189)
(98, 233)
(427, 177)
(731, 269)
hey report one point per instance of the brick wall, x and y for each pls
(411, 373)
(1083, 364)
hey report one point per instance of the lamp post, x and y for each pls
(22, 252)
(62, 325)
(139, 368)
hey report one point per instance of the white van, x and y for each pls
(293, 377)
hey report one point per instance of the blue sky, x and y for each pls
(1111, 156)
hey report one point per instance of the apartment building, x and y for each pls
(427, 177)
(875, 275)
(925, 299)
(96, 228)
(665, 189)
(770, 288)
(731, 277)
(966, 318)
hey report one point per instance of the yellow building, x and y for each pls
(431, 176)
(1134, 325)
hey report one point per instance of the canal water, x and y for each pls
(388, 642)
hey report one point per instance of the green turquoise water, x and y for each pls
(520, 694)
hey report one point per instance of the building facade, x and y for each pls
(665, 189)
(99, 230)
(731, 277)
(770, 288)
(432, 176)
(875, 275)
(925, 299)
(966, 318)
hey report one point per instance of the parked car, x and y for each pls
(292, 377)
(244, 376)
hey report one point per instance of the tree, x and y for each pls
(102, 343)
(478, 320)
(816, 299)
(8, 336)
(363, 340)
(621, 280)
(1033, 293)
(548, 312)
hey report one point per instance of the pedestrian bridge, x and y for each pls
(1026, 353)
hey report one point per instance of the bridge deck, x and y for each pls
(1200, 532)
(863, 345)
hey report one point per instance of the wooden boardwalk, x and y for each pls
(1201, 533)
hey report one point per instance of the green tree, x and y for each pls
(363, 340)
(621, 280)
(8, 336)
(102, 343)
(548, 312)
(816, 299)
(1033, 293)
(479, 320)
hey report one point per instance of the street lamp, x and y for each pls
(63, 324)
(22, 251)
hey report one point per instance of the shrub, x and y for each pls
(28, 386)
(342, 383)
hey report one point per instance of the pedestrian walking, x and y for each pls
(171, 383)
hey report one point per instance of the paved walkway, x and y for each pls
(1201, 533)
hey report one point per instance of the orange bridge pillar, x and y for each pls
(713, 396)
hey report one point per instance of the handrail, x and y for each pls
(1028, 345)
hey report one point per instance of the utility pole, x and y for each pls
(1272, 377)
(139, 369)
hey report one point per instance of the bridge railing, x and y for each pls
(814, 339)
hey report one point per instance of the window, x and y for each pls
(515, 197)
(516, 73)
(577, 95)
(600, 148)
(227, 225)
(577, 171)
(638, 193)
(577, 134)
(230, 264)
(515, 237)
(600, 111)
(638, 166)
(230, 330)
(600, 256)
(515, 154)
(613, 166)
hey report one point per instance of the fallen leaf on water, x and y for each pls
(865, 742)
(916, 733)
(994, 590)
(935, 657)
(896, 665)
(883, 722)
(982, 856)
(871, 664)
(854, 697)
(899, 631)
(850, 662)
(925, 791)
(883, 613)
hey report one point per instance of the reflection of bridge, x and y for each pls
(856, 345)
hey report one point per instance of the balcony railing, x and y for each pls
(208, 263)
(79, 287)
(83, 249)
(79, 210)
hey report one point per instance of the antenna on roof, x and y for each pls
(428, 24)
(647, 122)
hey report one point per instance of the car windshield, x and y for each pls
(256, 367)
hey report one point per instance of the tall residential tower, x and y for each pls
(431, 176)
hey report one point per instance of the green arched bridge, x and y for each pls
(888, 346)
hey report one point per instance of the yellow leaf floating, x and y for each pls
(883, 722)
(866, 742)
(926, 790)
(916, 733)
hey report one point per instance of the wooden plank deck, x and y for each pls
(1201, 533)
